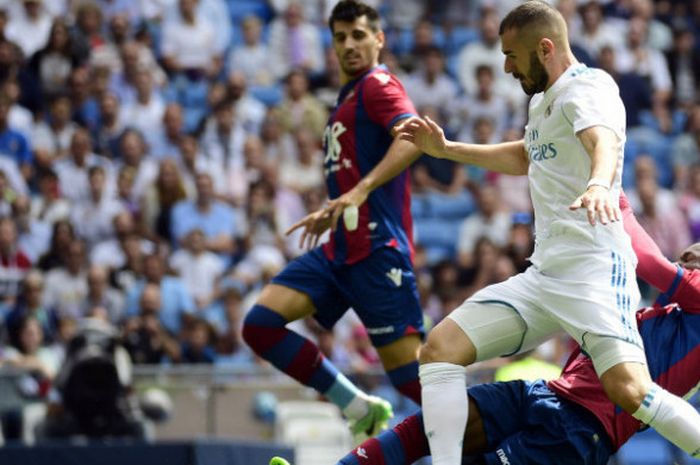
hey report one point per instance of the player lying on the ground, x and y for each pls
(570, 420)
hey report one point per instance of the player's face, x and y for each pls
(356, 45)
(523, 64)
(690, 258)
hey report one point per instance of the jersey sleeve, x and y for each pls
(385, 99)
(652, 266)
(687, 293)
(595, 101)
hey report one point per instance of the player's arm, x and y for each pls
(507, 157)
(401, 155)
(602, 145)
(652, 266)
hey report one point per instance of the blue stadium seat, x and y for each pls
(452, 66)
(236, 35)
(646, 448)
(420, 206)
(192, 117)
(450, 207)
(326, 36)
(241, 8)
(649, 141)
(269, 95)
(678, 120)
(458, 37)
(432, 232)
(194, 94)
(401, 42)
(439, 38)
(439, 237)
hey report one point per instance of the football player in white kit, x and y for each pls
(583, 274)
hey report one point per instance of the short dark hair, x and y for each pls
(484, 69)
(349, 10)
(95, 170)
(530, 13)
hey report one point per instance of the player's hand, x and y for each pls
(424, 134)
(596, 201)
(314, 224)
(353, 198)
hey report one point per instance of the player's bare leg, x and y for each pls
(400, 360)
(630, 386)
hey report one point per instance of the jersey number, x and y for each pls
(331, 136)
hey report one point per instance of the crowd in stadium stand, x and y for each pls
(154, 152)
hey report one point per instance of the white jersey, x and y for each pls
(560, 167)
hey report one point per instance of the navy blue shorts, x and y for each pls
(381, 289)
(526, 423)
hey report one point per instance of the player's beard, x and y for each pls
(537, 75)
(355, 70)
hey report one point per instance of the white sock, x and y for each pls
(445, 404)
(672, 417)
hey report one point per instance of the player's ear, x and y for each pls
(380, 38)
(545, 49)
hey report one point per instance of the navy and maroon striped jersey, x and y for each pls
(670, 331)
(356, 139)
(671, 336)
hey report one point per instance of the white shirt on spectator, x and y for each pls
(475, 54)
(302, 178)
(35, 241)
(147, 118)
(65, 292)
(20, 119)
(49, 357)
(59, 209)
(468, 109)
(146, 174)
(93, 221)
(198, 272)
(191, 45)
(227, 148)
(606, 34)
(250, 112)
(497, 229)
(309, 45)
(44, 137)
(30, 35)
(110, 254)
(254, 62)
(652, 65)
(73, 179)
(441, 93)
(13, 175)
(156, 9)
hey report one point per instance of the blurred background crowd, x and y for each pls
(153, 153)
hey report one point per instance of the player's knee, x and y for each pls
(447, 343)
(434, 349)
(258, 323)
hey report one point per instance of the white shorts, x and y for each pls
(596, 305)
